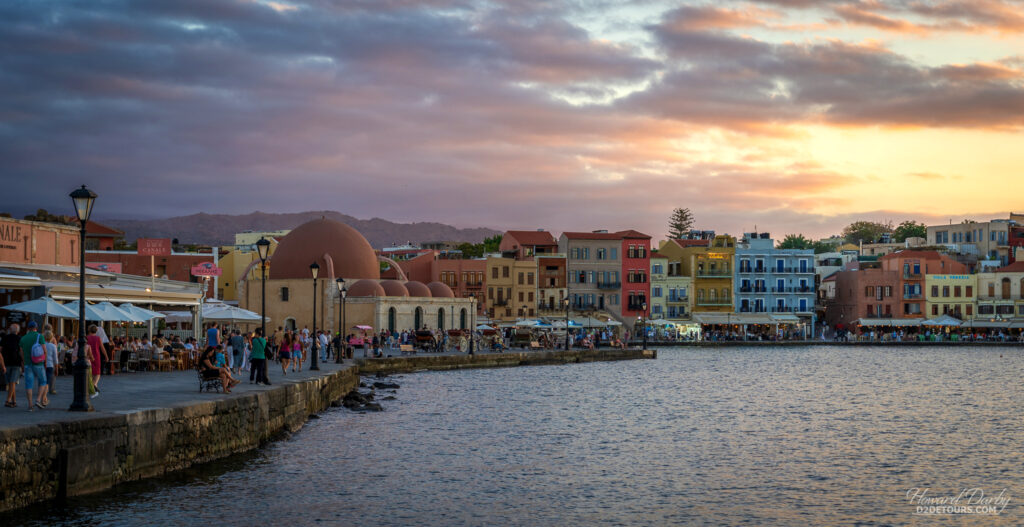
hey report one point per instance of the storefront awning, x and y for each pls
(996, 324)
(745, 318)
(18, 280)
(118, 296)
(890, 322)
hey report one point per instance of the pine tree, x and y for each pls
(680, 223)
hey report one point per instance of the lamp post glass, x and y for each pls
(314, 269)
(84, 199)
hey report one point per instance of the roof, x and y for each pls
(621, 235)
(526, 238)
(911, 253)
(1015, 267)
(98, 229)
(691, 243)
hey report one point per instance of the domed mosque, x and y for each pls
(342, 252)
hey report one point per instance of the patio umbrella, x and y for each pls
(172, 317)
(91, 312)
(944, 320)
(232, 314)
(484, 327)
(363, 327)
(43, 306)
(140, 312)
(115, 314)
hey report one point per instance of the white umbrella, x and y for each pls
(140, 312)
(484, 327)
(91, 313)
(43, 306)
(232, 314)
(172, 317)
(115, 314)
(944, 320)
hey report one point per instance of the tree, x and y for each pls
(471, 250)
(491, 244)
(822, 247)
(680, 223)
(795, 241)
(910, 229)
(865, 231)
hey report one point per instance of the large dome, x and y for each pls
(366, 287)
(352, 255)
(440, 290)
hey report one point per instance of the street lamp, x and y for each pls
(83, 199)
(343, 291)
(643, 308)
(263, 249)
(472, 329)
(314, 269)
(566, 302)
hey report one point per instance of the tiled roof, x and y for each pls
(621, 235)
(925, 255)
(96, 229)
(531, 238)
(1015, 267)
(691, 243)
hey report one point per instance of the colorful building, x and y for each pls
(551, 283)
(511, 288)
(608, 272)
(912, 266)
(711, 269)
(950, 294)
(770, 280)
(987, 240)
(526, 244)
(670, 294)
(864, 294)
(1001, 293)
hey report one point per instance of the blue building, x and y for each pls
(776, 281)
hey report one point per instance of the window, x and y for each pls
(780, 265)
(522, 278)
(970, 310)
(656, 269)
(504, 271)
(521, 297)
(935, 290)
(956, 291)
(986, 310)
(945, 291)
(494, 272)
(529, 278)
(656, 292)
(631, 252)
(615, 253)
(888, 290)
(284, 294)
(969, 292)
(529, 296)
(601, 254)
(935, 309)
(490, 293)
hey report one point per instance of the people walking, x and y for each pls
(13, 363)
(34, 358)
(237, 344)
(258, 359)
(285, 352)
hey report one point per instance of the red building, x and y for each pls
(176, 266)
(99, 237)
(636, 268)
(526, 244)
(864, 293)
(911, 266)
(1015, 241)
(465, 277)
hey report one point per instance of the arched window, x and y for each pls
(418, 319)
(462, 319)
(1006, 288)
(392, 316)
(712, 296)
(289, 324)
(440, 319)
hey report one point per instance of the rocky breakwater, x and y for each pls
(87, 454)
(364, 398)
(427, 361)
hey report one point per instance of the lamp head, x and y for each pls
(263, 248)
(341, 287)
(314, 269)
(83, 199)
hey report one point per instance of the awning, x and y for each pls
(733, 318)
(786, 318)
(890, 322)
(18, 280)
(120, 296)
(998, 324)
(1017, 324)
(944, 320)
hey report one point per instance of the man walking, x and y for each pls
(13, 363)
(258, 359)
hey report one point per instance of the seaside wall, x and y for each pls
(409, 363)
(77, 457)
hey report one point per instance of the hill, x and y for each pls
(220, 229)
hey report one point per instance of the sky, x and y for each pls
(785, 116)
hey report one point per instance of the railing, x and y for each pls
(609, 285)
(911, 276)
(678, 299)
(911, 296)
(714, 302)
(713, 274)
(500, 303)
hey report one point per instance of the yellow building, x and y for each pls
(951, 294)
(234, 263)
(709, 263)
(511, 288)
(1001, 293)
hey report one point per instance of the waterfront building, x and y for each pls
(175, 266)
(526, 244)
(239, 263)
(551, 284)
(985, 240)
(1016, 242)
(608, 272)
(99, 237)
(861, 294)
(950, 294)
(669, 292)
(1001, 293)
(912, 266)
(511, 288)
(464, 276)
(770, 280)
(341, 252)
(711, 269)
(884, 247)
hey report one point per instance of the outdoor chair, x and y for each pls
(208, 383)
(133, 361)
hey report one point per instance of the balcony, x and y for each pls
(912, 296)
(713, 274)
(499, 303)
(473, 285)
(912, 276)
(714, 302)
(609, 285)
(678, 300)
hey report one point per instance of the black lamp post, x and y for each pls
(343, 291)
(314, 269)
(263, 249)
(83, 199)
(566, 302)
(643, 308)
(472, 329)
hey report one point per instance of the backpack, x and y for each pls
(38, 351)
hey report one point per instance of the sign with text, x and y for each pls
(206, 269)
(12, 241)
(154, 246)
(109, 267)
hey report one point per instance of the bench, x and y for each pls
(208, 383)
(406, 348)
(534, 345)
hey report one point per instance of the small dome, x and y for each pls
(366, 287)
(440, 290)
(352, 255)
(394, 288)
(418, 289)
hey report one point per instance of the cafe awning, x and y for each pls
(18, 280)
(890, 322)
(122, 295)
(944, 320)
(992, 324)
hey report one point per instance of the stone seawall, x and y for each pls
(80, 456)
(409, 363)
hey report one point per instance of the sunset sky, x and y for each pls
(791, 115)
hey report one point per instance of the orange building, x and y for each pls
(911, 267)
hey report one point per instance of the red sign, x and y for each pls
(154, 246)
(206, 269)
(109, 267)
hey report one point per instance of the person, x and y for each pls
(258, 359)
(237, 343)
(99, 352)
(324, 345)
(285, 353)
(213, 335)
(35, 370)
(297, 354)
(218, 358)
(13, 363)
(210, 371)
(51, 364)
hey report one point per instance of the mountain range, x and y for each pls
(220, 229)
